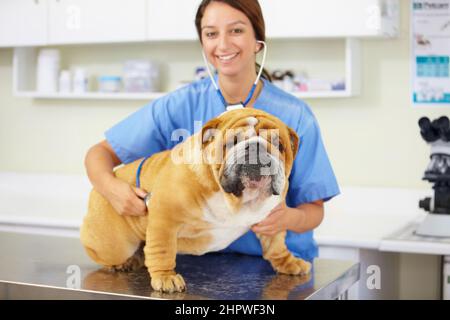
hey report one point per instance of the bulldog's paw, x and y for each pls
(168, 282)
(293, 266)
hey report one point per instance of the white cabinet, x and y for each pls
(87, 21)
(330, 18)
(23, 22)
(171, 19)
(41, 22)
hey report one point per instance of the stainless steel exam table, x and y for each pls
(53, 267)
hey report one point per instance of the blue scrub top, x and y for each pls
(149, 130)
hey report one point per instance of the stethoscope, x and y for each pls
(227, 106)
(240, 105)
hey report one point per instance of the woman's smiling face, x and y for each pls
(228, 39)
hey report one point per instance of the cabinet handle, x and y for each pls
(36, 1)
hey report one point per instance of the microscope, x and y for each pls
(437, 134)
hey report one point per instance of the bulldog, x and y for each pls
(204, 193)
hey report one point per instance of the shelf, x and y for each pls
(323, 94)
(24, 70)
(92, 95)
(154, 95)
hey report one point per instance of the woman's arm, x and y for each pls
(309, 217)
(100, 162)
(305, 217)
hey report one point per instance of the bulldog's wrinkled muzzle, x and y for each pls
(252, 167)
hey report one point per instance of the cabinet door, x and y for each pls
(87, 21)
(23, 22)
(171, 19)
(324, 18)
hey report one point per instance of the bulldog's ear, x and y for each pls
(294, 141)
(209, 130)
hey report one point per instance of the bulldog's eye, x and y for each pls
(280, 147)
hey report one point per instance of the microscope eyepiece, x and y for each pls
(443, 126)
(424, 123)
(435, 130)
(427, 130)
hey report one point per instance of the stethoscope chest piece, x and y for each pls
(147, 199)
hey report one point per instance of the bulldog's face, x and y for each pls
(251, 153)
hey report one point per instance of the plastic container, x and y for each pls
(338, 85)
(80, 80)
(48, 63)
(141, 76)
(65, 81)
(109, 83)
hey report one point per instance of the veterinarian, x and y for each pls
(232, 35)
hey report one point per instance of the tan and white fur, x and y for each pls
(205, 193)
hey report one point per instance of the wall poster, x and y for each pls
(430, 49)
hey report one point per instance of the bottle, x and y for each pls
(47, 70)
(277, 79)
(288, 81)
(64, 81)
(80, 80)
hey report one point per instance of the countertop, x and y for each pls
(360, 217)
(51, 267)
(383, 219)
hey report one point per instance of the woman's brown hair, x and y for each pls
(251, 9)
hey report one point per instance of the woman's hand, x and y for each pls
(125, 199)
(281, 218)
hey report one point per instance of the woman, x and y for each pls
(231, 33)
